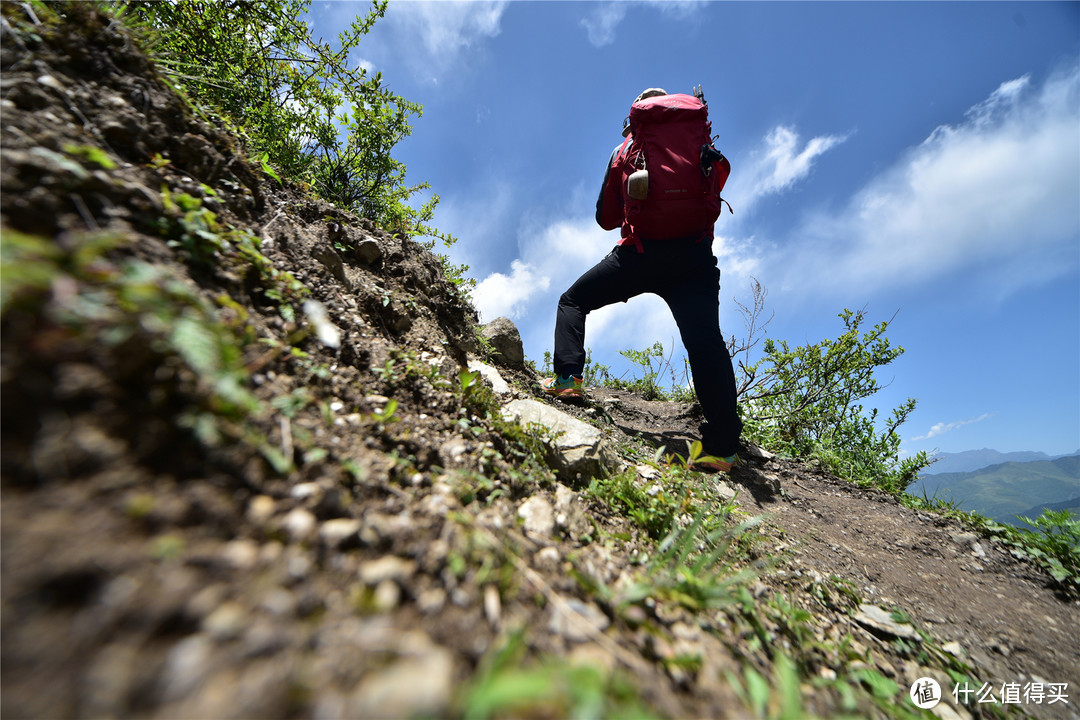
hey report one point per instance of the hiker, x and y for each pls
(664, 249)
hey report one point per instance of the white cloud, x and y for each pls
(600, 24)
(736, 258)
(551, 259)
(1005, 94)
(788, 164)
(996, 193)
(447, 27)
(942, 428)
(778, 165)
(500, 295)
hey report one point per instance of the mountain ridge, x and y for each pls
(971, 460)
(1005, 490)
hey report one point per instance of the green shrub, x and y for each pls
(296, 100)
(807, 402)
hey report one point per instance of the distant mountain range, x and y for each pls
(1004, 490)
(970, 460)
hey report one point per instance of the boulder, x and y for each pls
(579, 451)
(506, 341)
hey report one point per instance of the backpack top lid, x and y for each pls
(648, 93)
(667, 108)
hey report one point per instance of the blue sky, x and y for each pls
(920, 159)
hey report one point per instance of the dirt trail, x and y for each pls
(952, 582)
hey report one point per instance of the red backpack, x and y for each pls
(670, 140)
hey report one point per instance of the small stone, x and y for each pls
(438, 504)
(577, 621)
(431, 601)
(186, 666)
(271, 552)
(547, 558)
(492, 605)
(874, 618)
(954, 648)
(498, 385)
(205, 601)
(241, 554)
(279, 601)
(569, 515)
(264, 638)
(379, 528)
(50, 82)
(109, 677)
(368, 251)
(538, 515)
(298, 565)
(299, 524)
(260, 509)
(769, 482)
(759, 453)
(453, 450)
(647, 472)
(421, 685)
(305, 490)
(387, 595)
(226, 622)
(725, 491)
(388, 567)
(340, 532)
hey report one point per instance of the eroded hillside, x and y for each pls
(247, 471)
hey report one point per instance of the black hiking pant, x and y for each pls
(685, 275)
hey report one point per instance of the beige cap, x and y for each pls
(651, 92)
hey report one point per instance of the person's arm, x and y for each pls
(609, 205)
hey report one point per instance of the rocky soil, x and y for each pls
(259, 461)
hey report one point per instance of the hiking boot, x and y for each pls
(563, 388)
(711, 464)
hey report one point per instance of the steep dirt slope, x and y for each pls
(217, 504)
